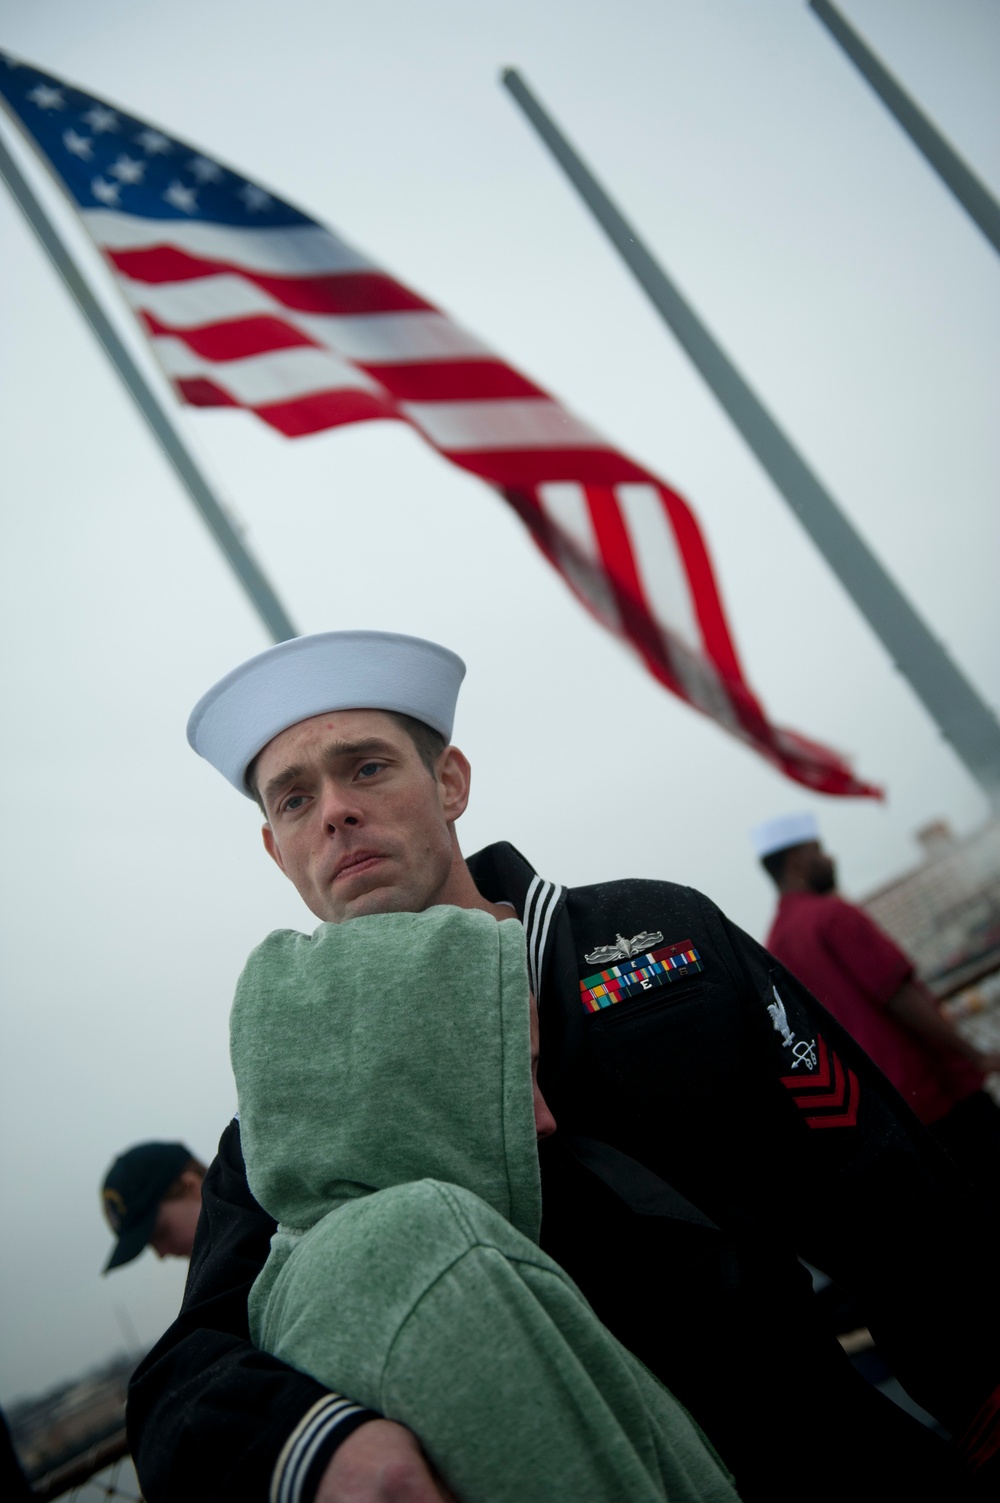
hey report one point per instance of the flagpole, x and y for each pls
(242, 562)
(962, 716)
(974, 197)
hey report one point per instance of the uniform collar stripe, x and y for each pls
(540, 904)
(533, 906)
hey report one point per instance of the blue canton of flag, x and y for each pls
(110, 160)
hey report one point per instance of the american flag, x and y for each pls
(247, 302)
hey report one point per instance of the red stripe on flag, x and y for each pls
(619, 561)
(705, 591)
(553, 546)
(236, 339)
(339, 292)
(198, 391)
(323, 409)
(523, 469)
(452, 380)
(165, 263)
(299, 415)
(818, 766)
(347, 292)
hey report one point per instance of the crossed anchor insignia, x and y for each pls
(803, 1051)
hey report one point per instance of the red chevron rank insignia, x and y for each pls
(830, 1096)
(826, 1093)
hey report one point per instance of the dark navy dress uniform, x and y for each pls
(715, 1125)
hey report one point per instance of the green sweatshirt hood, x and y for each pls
(383, 1050)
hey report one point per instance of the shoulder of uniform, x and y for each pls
(640, 903)
(230, 1154)
(636, 889)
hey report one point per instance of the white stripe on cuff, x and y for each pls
(300, 1448)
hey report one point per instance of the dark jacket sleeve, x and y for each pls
(870, 1197)
(209, 1416)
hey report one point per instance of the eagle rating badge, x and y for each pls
(803, 1051)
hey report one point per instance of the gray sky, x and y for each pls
(851, 290)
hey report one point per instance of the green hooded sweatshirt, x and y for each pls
(384, 1082)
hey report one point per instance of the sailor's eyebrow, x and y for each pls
(370, 746)
(282, 780)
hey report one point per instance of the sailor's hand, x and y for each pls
(381, 1462)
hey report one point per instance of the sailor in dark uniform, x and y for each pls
(715, 1126)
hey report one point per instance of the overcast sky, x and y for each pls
(851, 290)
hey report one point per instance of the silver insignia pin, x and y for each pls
(779, 1018)
(624, 949)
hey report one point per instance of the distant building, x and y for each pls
(945, 912)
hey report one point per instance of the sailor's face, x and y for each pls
(177, 1222)
(821, 871)
(355, 819)
(545, 1123)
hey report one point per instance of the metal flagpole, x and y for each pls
(970, 192)
(960, 713)
(244, 565)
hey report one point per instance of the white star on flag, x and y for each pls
(128, 169)
(182, 198)
(79, 145)
(255, 198)
(204, 170)
(46, 97)
(100, 119)
(153, 142)
(105, 192)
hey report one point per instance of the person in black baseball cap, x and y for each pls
(152, 1197)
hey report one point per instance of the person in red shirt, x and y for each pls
(868, 983)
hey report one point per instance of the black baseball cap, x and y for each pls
(133, 1188)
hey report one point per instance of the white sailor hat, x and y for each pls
(332, 670)
(783, 832)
